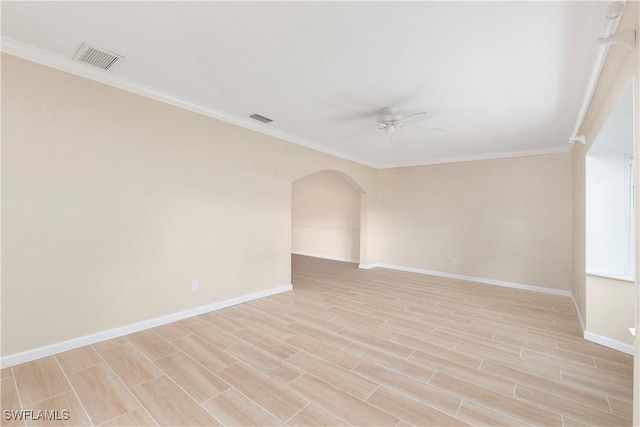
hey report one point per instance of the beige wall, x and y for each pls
(618, 71)
(621, 66)
(503, 219)
(610, 308)
(636, 150)
(325, 217)
(113, 203)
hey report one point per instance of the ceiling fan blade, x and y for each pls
(358, 133)
(428, 128)
(371, 122)
(411, 116)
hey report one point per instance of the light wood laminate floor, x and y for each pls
(346, 346)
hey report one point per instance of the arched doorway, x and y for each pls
(328, 217)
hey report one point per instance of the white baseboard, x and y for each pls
(72, 344)
(608, 342)
(590, 336)
(470, 279)
(575, 303)
(332, 258)
(600, 339)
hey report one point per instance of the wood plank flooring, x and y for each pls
(345, 347)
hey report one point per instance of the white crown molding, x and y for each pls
(72, 344)
(332, 258)
(470, 279)
(488, 156)
(608, 342)
(68, 65)
(611, 27)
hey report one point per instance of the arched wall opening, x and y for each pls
(328, 217)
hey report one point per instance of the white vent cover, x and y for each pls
(96, 56)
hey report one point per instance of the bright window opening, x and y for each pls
(610, 217)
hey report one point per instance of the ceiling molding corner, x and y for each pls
(68, 65)
(41, 56)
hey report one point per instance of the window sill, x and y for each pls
(621, 277)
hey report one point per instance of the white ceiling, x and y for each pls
(503, 78)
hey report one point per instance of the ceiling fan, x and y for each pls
(390, 122)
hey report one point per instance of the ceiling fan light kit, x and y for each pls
(390, 122)
(430, 56)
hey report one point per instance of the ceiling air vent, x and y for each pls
(260, 118)
(96, 56)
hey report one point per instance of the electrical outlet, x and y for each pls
(454, 261)
(195, 285)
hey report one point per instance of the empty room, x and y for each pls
(309, 213)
